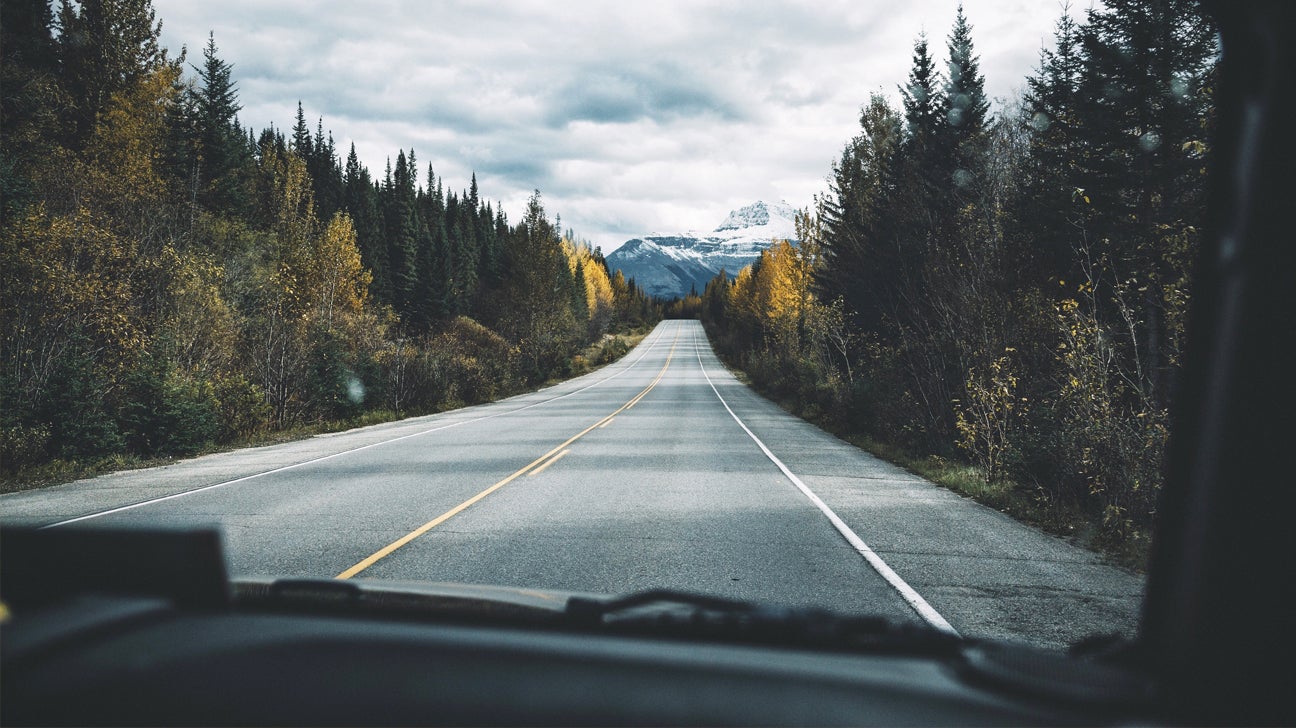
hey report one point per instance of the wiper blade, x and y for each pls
(407, 600)
(665, 612)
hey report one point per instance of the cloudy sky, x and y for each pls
(630, 117)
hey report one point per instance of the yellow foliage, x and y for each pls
(599, 296)
(337, 278)
(128, 143)
(198, 324)
(65, 283)
(986, 417)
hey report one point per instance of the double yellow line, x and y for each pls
(535, 466)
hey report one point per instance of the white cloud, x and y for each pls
(629, 117)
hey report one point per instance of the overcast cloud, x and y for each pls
(629, 117)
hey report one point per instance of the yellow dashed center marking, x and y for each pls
(535, 466)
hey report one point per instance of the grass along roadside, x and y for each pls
(606, 350)
(1026, 504)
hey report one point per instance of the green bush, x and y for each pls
(241, 407)
(22, 446)
(166, 411)
(81, 424)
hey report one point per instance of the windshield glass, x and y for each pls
(870, 308)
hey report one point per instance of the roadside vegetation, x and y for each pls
(998, 300)
(171, 282)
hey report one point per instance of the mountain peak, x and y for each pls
(756, 215)
(669, 265)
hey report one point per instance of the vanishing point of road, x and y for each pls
(660, 470)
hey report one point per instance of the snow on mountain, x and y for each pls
(669, 265)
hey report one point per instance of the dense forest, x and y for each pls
(170, 280)
(1003, 289)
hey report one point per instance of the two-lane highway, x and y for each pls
(660, 470)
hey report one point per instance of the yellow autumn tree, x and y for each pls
(781, 290)
(599, 296)
(336, 278)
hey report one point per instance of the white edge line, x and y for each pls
(907, 592)
(222, 484)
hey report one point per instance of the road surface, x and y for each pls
(660, 470)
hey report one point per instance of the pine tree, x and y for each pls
(465, 249)
(1143, 111)
(401, 232)
(326, 173)
(104, 46)
(921, 97)
(435, 258)
(859, 267)
(360, 201)
(31, 99)
(921, 200)
(223, 160)
(301, 138)
(1055, 203)
(965, 105)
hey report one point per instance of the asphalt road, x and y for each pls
(660, 470)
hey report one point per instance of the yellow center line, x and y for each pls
(606, 422)
(548, 462)
(385, 551)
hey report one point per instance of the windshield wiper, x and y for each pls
(402, 600)
(669, 613)
(658, 613)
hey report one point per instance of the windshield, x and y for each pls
(866, 308)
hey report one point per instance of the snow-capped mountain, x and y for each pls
(667, 266)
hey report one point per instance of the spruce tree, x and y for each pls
(922, 201)
(31, 100)
(1055, 202)
(923, 108)
(104, 46)
(965, 105)
(223, 160)
(401, 232)
(1143, 114)
(580, 295)
(361, 202)
(859, 266)
(301, 138)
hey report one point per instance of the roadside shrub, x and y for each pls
(987, 415)
(81, 425)
(241, 407)
(166, 411)
(22, 445)
(476, 362)
(611, 349)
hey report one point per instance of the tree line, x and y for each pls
(170, 279)
(1004, 288)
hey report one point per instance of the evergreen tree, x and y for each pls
(538, 293)
(923, 109)
(31, 101)
(223, 159)
(919, 207)
(1055, 204)
(104, 46)
(580, 294)
(859, 266)
(301, 137)
(488, 248)
(402, 231)
(965, 106)
(464, 250)
(360, 202)
(1143, 108)
(429, 303)
(435, 258)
